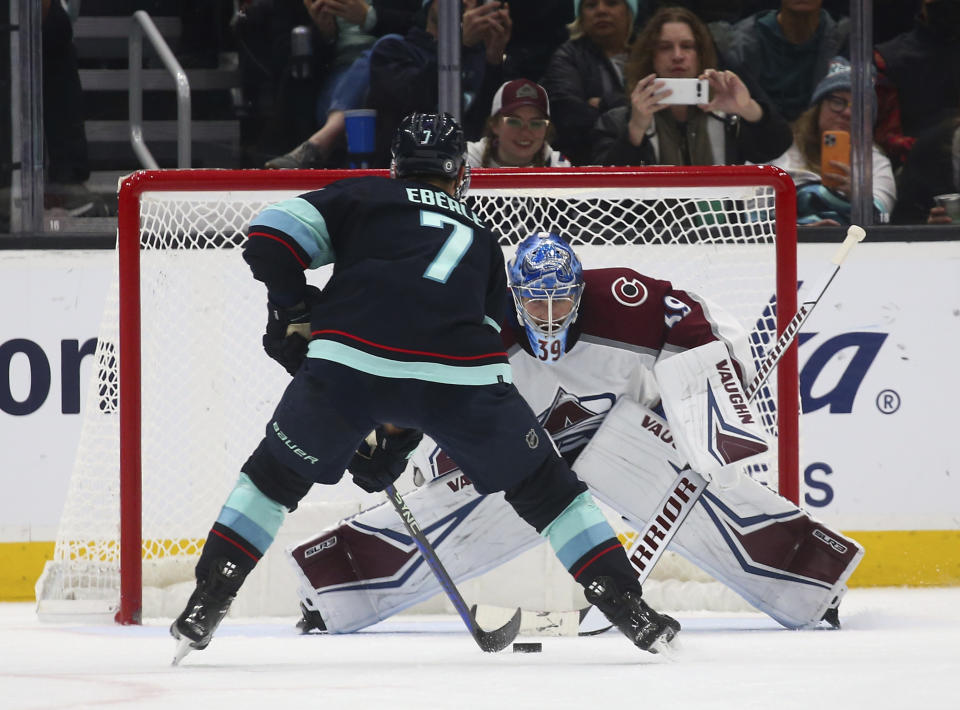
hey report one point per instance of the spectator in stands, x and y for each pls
(932, 168)
(325, 144)
(517, 130)
(787, 52)
(918, 77)
(343, 32)
(585, 76)
(403, 71)
(732, 128)
(68, 165)
(539, 28)
(286, 89)
(831, 109)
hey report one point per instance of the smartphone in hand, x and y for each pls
(835, 145)
(689, 92)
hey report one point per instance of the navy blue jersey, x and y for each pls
(418, 283)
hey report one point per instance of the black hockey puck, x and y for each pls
(527, 647)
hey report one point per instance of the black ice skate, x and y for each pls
(627, 611)
(206, 608)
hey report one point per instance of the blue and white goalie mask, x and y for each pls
(546, 280)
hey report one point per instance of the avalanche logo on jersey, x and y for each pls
(726, 441)
(570, 420)
(629, 292)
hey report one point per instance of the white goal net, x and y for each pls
(182, 389)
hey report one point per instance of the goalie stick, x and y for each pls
(652, 541)
(490, 641)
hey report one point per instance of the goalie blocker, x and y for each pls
(778, 558)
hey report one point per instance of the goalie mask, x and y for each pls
(546, 280)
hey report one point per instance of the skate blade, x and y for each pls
(183, 648)
(666, 646)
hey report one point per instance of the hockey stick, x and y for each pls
(675, 506)
(815, 293)
(495, 640)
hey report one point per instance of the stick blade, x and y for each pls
(498, 639)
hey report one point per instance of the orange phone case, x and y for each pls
(835, 145)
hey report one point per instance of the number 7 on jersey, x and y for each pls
(453, 248)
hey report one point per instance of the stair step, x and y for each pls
(158, 106)
(128, 7)
(206, 131)
(115, 155)
(103, 27)
(154, 79)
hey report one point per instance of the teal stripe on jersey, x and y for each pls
(252, 514)
(429, 371)
(304, 223)
(577, 530)
(492, 323)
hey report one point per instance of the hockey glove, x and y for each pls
(382, 457)
(288, 331)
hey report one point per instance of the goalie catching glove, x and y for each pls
(288, 331)
(382, 457)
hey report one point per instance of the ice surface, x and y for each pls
(899, 648)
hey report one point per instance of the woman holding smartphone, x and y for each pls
(819, 159)
(671, 119)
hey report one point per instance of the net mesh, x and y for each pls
(207, 389)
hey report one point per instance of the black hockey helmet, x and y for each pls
(428, 144)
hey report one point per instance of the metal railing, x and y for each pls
(143, 26)
(27, 211)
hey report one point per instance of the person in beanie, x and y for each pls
(585, 74)
(518, 130)
(831, 110)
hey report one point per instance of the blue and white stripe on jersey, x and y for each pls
(577, 530)
(251, 514)
(487, 374)
(302, 222)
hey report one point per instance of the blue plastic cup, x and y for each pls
(361, 129)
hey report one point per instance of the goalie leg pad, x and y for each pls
(715, 428)
(368, 568)
(774, 555)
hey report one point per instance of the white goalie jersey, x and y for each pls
(366, 568)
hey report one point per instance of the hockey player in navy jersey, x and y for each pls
(403, 339)
(594, 353)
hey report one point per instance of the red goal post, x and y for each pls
(729, 225)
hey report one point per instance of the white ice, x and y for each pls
(899, 648)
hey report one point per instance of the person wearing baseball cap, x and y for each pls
(517, 132)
